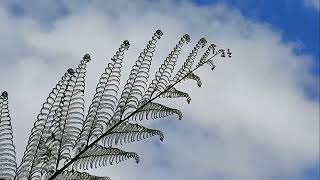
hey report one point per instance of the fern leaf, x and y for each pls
(53, 137)
(154, 110)
(210, 62)
(105, 98)
(192, 76)
(163, 75)
(65, 128)
(49, 131)
(211, 49)
(127, 133)
(70, 123)
(98, 156)
(30, 161)
(186, 67)
(75, 175)
(136, 85)
(174, 93)
(8, 165)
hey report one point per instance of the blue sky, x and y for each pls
(296, 22)
(263, 103)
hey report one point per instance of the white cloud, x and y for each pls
(250, 120)
(313, 4)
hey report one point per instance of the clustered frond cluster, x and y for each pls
(62, 134)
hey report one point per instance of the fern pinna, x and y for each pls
(64, 141)
(8, 165)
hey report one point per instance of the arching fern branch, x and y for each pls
(54, 133)
(8, 165)
(174, 93)
(154, 110)
(186, 67)
(118, 123)
(38, 153)
(98, 156)
(195, 77)
(136, 84)
(105, 99)
(163, 75)
(127, 133)
(70, 123)
(211, 61)
(61, 136)
(183, 71)
(31, 158)
(75, 175)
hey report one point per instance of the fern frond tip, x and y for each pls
(187, 38)
(86, 57)
(71, 71)
(203, 42)
(4, 95)
(158, 33)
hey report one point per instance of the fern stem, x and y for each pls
(125, 119)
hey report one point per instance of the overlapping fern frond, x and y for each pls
(127, 133)
(104, 102)
(29, 167)
(75, 175)
(8, 165)
(136, 84)
(64, 140)
(187, 66)
(57, 126)
(174, 93)
(163, 75)
(154, 110)
(98, 156)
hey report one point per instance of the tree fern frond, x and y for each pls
(35, 142)
(154, 110)
(98, 156)
(105, 98)
(70, 123)
(8, 165)
(49, 130)
(136, 84)
(75, 175)
(127, 133)
(163, 75)
(174, 93)
(186, 67)
(52, 142)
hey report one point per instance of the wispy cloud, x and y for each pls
(250, 120)
(313, 4)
